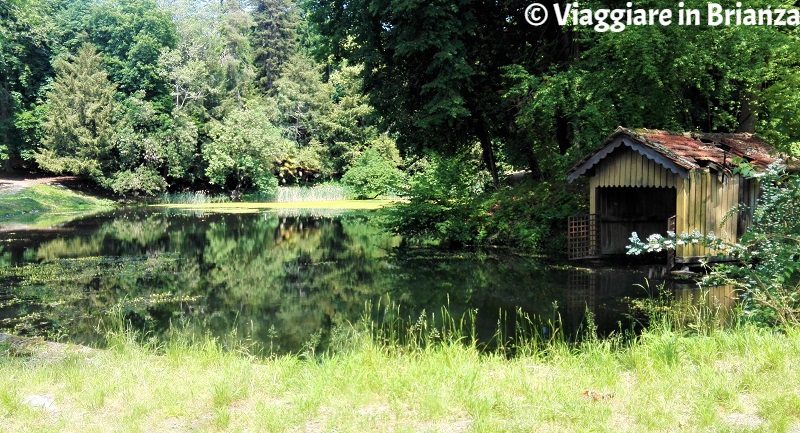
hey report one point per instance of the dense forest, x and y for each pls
(424, 99)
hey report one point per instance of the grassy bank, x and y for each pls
(41, 205)
(740, 380)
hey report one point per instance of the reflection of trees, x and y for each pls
(127, 232)
(298, 275)
(496, 284)
(264, 274)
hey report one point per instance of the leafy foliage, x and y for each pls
(151, 147)
(245, 147)
(448, 201)
(430, 68)
(441, 201)
(25, 68)
(373, 175)
(132, 34)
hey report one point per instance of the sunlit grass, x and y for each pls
(46, 205)
(195, 197)
(744, 379)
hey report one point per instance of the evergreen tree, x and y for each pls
(80, 121)
(350, 126)
(236, 58)
(303, 99)
(274, 38)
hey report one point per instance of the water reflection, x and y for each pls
(278, 280)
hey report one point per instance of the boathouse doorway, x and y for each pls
(624, 210)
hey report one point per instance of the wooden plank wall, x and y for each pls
(749, 191)
(626, 167)
(703, 199)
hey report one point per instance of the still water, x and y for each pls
(281, 282)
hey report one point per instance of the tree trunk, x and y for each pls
(5, 118)
(488, 157)
(562, 133)
(748, 114)
(533, 166)
(486, 148)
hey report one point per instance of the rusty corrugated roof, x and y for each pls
(683, 151)
(702, 149)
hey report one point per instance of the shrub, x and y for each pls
(373, 175)
(141, 181)
(448, 202)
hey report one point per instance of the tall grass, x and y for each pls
(289, 194)
(393, 371)
(695, 312)
(194, 197)
(321, 192)
(427, 377)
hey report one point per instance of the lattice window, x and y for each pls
(583, 237)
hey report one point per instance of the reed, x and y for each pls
(193, 197)
(322, 192)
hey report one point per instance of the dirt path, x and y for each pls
(10, 185)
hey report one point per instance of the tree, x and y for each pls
(246, 147)
(432, 69)
(25, 51)
(236, 58)
(374, 174)
(151, 148)
(303, 99)
(350, 127)
(80, 123)
(193, 67)
(132, 34)
(274, 38)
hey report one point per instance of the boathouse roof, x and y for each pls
(682, 152)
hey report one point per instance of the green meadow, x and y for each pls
(47, 205)
(737, 380)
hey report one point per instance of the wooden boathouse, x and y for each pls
(652, 181)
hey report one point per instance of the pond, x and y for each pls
(282, 281)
